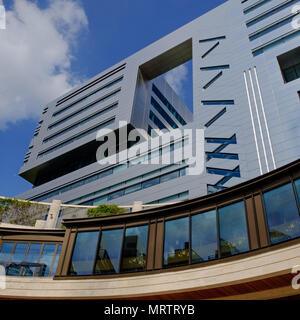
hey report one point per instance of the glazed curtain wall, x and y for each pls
(29, 259)
(187, 238)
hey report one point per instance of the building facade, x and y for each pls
(246, 83)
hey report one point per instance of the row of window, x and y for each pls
(134, 188)
(80, 123)
(270, 12)
(275, 42)
(273, 26)
(76, 137)
(115, 169)
(163, 113)
(156, 121)
(110, 84)
(85, 108)
(255, 6)
(164, 100)
(174, 197)
(201, 237)
(30, 259)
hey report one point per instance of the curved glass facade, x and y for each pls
(192, 237)
(30, 259)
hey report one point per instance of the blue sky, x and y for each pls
(50, 46)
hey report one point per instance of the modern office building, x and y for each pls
(245, 59)
(238, 236)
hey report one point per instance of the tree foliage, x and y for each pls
(105, 210)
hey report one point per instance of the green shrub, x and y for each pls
(105, 210)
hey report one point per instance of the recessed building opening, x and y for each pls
(164, 90)
(289, 63)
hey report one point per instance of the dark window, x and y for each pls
(163, 113)
(204, 240)
(156, 121)
(84, 253)
(150, 183)
(115, 195)
(297, 187)
(289, 63)
(135, 249)
(108, 256)
(168, 105)
(169, 176)
(233, 229)
(282, 213)
(133, 188)
(176, 244)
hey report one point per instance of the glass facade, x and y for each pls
(204, 238)
(282, 213)
(233, 229)
(84, 253)
(176, 244)
(47, 257)
(104, 173)
(108, 257)
(156, 121)
(135, 249)
(30, 259)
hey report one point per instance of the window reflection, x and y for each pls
(56, 260)
(233, 229)
(176, 245)
(32, 269)
(29, 259)
(19, 252)
(204, 236)
(297, 183)
(135, 249)
(6, 251)
(84, 253)
(282, 213)
(108, 256)
(47, 258)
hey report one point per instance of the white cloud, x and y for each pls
(35, 56)
(176, 78)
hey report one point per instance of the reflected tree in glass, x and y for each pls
(108, 257)
(135, 249)
(233, 229)
(84, 253)
(204, 239)
(176, 244)
(282, 213)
